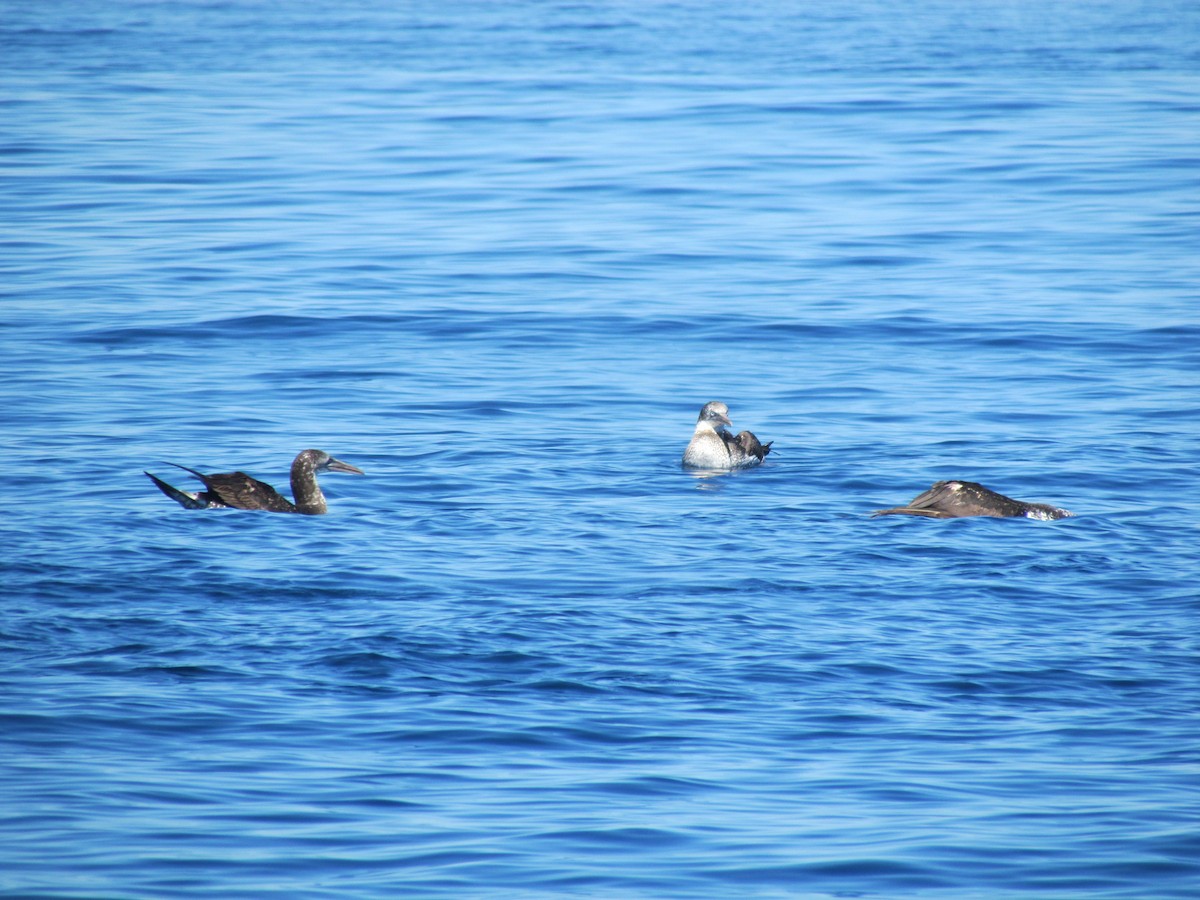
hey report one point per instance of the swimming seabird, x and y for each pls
(955, 499)
(237, 490)
(712, 447)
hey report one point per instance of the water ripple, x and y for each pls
(498, 257)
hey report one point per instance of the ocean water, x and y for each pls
(498, 255)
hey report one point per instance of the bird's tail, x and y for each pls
(183, 498)
(911, 511)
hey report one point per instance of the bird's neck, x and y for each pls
(306, 493)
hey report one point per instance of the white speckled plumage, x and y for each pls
(237, 490)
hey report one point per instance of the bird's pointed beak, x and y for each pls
(336, 465)
(722, 420)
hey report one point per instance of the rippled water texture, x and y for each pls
(498, 256)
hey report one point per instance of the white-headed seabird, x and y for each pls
(955, 499)
(712, 447)
(237, 490)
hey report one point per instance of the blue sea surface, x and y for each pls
(498, 255)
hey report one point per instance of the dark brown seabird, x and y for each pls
(712, 447)
(956, 499)
(237, 490)
(751, 446)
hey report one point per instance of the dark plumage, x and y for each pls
(956, 499)
(237, 490)
(751, 446)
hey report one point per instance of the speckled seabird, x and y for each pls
(955, 499)
(237, 490)
(712, 447)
